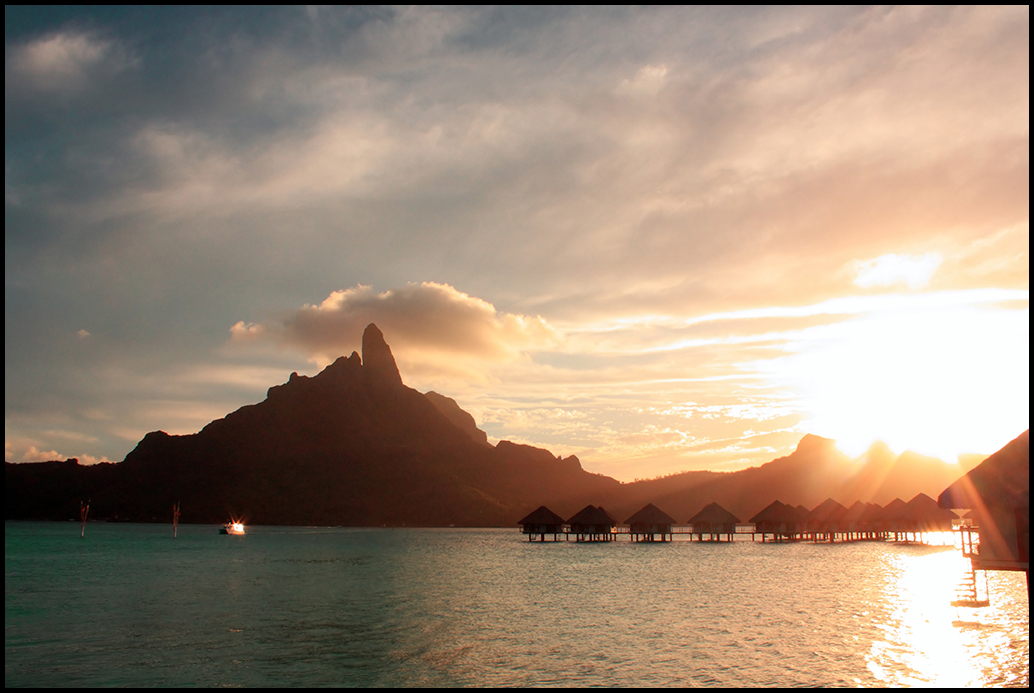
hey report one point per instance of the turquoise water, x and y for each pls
(128, 605)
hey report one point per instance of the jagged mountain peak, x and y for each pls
(342, 367)
(377, 360)
(350, 445)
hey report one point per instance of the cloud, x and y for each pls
(63, 60)
(30, 453)
(421, 321)
(647, 82)
(711, 182)
(247, 332)
(888, 270)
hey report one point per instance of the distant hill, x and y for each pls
(354, 446)
(815, 471)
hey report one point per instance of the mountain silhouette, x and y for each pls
(815, 471)
(459, 418)
(353, 445)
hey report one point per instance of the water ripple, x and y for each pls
(330, 607)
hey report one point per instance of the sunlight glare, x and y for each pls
(940, 382)
(922, 646)
(913, 270)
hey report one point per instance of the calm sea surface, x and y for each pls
(286, 606)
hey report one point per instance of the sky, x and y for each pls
(660, 239)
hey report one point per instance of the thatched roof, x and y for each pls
(856, 512)
(929, 514)
(1002, 480)
(542, 516)
(714, 514)
(650, 515)
(896, 510)
(591, 515)
(873, 512)
(829, 511)
(776, 512)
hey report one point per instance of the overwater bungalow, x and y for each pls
(592, 524)
(714, 521)
(824, 522)
(800, 514)
(997, 492)
(779, 520)
(897, 518)
(857, 522)
(542, 522)
(930, 517)
(650, 523)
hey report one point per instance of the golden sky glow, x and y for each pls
(660, 239)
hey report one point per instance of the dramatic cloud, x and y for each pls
(423, 320)
(658, 215)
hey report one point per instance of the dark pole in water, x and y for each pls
(84, 510)
(175, 518)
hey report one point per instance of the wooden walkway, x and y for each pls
(686, 533)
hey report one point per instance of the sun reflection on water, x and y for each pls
(928, 642)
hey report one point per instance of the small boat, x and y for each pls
(235, 528)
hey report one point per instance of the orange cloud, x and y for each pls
(421, 321)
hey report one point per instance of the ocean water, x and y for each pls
(285, 606)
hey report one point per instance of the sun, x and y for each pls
(940, 380)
